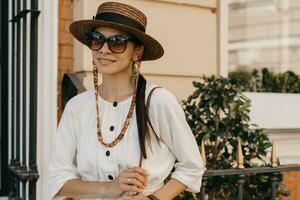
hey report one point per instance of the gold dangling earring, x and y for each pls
(136, 65)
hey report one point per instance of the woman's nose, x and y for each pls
(105, 49)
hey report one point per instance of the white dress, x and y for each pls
(76, 152)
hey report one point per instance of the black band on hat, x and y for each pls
(120, 19)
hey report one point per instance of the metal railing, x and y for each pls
(241, 176)
(241, 172)
(22, 81)
(3, 98)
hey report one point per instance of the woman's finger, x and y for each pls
(139, 170)
(133, 188)
(134, 181)
(138, 177)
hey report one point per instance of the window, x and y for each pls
(264, 33)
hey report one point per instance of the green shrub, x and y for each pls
(265, 81)
(218, 114)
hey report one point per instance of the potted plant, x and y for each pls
(218, 114)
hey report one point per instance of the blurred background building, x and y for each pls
(264, 33)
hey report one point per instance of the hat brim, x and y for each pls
(152, 48)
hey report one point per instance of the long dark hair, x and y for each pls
(142, 116)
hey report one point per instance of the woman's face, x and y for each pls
(113, 63)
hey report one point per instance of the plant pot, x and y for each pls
(275, 110)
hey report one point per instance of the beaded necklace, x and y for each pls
(128, 118)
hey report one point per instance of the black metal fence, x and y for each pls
(22, 97)
(3, 95)
(241, 175)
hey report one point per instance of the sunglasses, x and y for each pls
(116, 43)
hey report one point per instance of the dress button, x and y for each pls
(111, 128)
(107, 153)
(110, 177)
(115, 104)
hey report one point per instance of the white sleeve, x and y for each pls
(176, 133)
(62, 161)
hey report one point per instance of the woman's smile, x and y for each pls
(105, 61)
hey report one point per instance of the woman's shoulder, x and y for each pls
(160, 95)
(81, 99)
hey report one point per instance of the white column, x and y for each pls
(222, 37)
(47, 89)
(285, 35)
(82, 56)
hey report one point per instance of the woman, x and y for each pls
(121, 140)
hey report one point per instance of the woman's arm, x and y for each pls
(170, 190)
(130, 180)
(167, 192)
(175, 132)
(77, 188)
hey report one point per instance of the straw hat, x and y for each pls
(123, 17)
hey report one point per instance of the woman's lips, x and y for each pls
(105, 61)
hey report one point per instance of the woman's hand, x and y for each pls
(132, 180)
(140, 196)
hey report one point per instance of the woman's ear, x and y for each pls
(138, 52)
